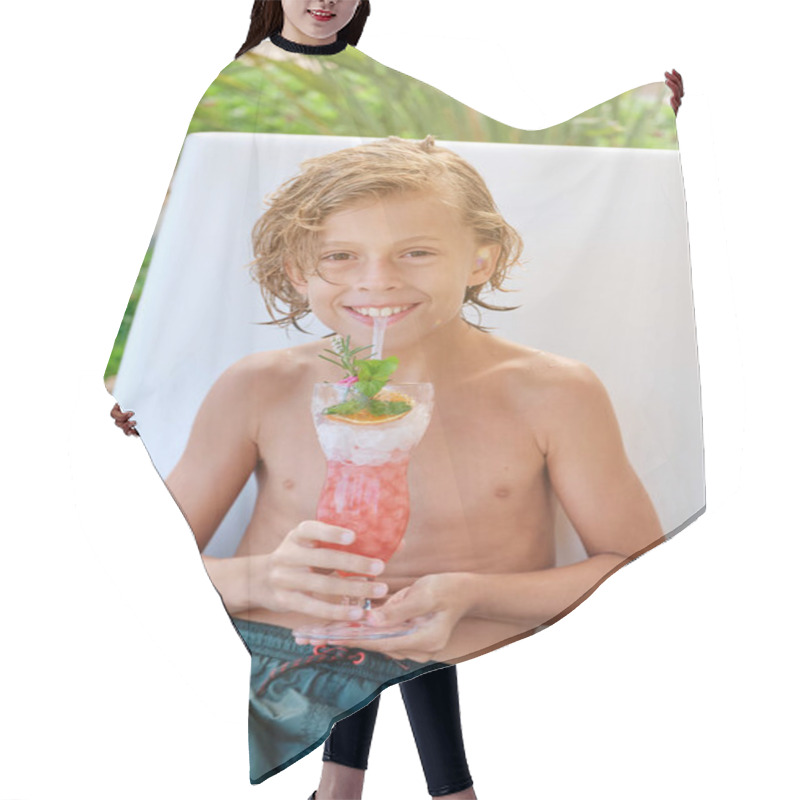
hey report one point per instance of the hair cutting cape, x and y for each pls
(605, 279)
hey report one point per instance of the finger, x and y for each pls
(118, 414)
(674, 78)
(398, 597)
(314, 641)
(314, 607)
(325, 558)
(335, 585)
(674, 90)
(418, 646)
(310, 532)
(395, 613)
(287, 578)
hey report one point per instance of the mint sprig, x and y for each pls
(371, 375)
(344, 356)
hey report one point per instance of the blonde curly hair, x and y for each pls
(285, 236)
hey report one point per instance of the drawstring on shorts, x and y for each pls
(322, 653)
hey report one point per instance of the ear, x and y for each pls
(296, 277)
(485, 264)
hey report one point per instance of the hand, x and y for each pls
(436, 603)
(675, 83)
(288, 579)
(124, 420)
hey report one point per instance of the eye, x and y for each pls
(336, 257)
(419, 253)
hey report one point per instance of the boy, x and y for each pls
(409, 232)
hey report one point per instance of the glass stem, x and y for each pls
(366, 603)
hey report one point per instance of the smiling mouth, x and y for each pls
(323, 16)
(383, 312)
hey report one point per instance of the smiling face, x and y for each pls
(315, 22)
(406, 257)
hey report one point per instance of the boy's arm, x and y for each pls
(601, 495)
(220, 455)
(590, 472)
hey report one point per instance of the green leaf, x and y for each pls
(385, 408)
(369, 388)
(350, 406)
(380, 370)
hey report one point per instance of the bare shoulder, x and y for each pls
(271, 372)
(555, 394)
(255, 385)
(541, 376)
(252, 389)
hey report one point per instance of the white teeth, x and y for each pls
(385, 311)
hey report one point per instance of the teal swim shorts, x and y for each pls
(297, 692)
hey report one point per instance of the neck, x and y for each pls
(440, 357)
(308, 46)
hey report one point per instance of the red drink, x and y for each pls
(366, 490)
(371, 501)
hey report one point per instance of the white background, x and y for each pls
(120, 675)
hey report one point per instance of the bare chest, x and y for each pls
(479, 494)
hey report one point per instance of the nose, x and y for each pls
(377, 274)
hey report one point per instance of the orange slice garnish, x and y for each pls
(364, 417)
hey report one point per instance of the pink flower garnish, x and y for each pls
(348, 381)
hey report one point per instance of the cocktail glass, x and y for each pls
(366, 487)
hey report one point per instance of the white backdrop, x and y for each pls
(121, 676)
(605, 279)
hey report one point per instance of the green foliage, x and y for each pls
(386, 408)
(344, 356)
(373, 374)
(122, 335)
(354, 95)
(377, 408)
(350, 406)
